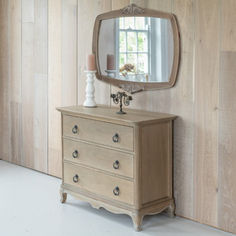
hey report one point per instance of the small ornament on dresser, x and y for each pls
(122, 98)
(90, 89)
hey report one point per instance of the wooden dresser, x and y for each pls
(120, 162)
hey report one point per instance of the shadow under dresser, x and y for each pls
(122, 163)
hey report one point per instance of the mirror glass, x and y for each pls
(139, 49)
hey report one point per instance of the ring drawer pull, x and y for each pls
(75, 129)
(75, 154)
(116, 191)
(116, 164)
(75, 178)
(115, 138)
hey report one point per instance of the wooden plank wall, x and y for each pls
(203, 98)
(33, 81)
(32, 85)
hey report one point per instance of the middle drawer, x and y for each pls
(101, 158)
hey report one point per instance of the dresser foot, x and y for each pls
(137, 221)
(63, 196)
(170, 211)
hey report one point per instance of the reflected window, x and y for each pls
(133, 37)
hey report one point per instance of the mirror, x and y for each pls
(137, 49)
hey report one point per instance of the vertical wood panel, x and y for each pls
(87, 12)
(140, 3)
(227, 121)
(160, 5)
(15, 119)
(28, 83)
(228, 25)
(227, 140)
(206, 110)
(40, 87)
(28, 102)
(4, 82)
(119, 4)
(54, 86)
(69, 52)
(182, 106)
(34, 84)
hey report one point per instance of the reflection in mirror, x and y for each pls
(139, 49)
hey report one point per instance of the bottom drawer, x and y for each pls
(99, 183)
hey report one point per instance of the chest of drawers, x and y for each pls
(122, 163)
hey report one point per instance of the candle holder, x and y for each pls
(111, 73)
(121, 97)
(90, 99)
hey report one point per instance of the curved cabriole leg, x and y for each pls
(137, 221)
(171, 210)
(63, 196)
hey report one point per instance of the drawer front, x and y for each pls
(99, 132)
(99, 183)
(105, 159)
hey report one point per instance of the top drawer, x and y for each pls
(99, 132)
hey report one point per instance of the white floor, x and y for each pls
(29, 205)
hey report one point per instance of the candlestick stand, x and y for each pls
(90, 99)
(111, 73)
(122, 98)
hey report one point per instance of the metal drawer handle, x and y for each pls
(75, 154)
(116, 164)
(75, 129)
(76, 178)
(116, 191)
(115, 138)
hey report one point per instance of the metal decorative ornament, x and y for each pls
(122, 98)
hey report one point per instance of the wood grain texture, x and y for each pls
(206, 111)
(5, 147)
(34, 84)
(98, 132)
(87, 12)
(69, 52)
(102, 112)
(228, 22)
(182, 104)
(15, 95)
(227, 139)
(193, 99)
(98, 157)
(120, 4)
(156, 162)
(140, 3)
(40, 86)
(54, 86)
(150, 189)
(165, 6)
(28, 84)
(99, 183)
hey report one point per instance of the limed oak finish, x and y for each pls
(120, 162)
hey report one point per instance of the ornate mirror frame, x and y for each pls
(130, 86)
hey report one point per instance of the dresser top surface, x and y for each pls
(109, 113)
